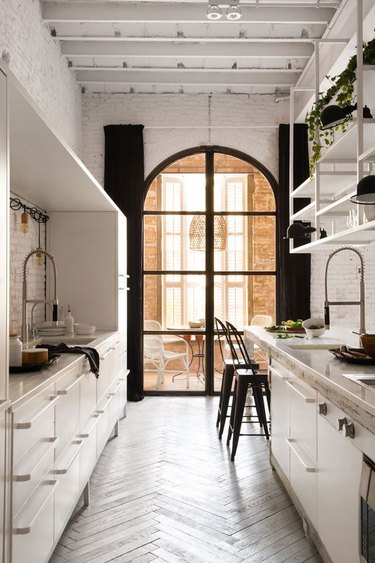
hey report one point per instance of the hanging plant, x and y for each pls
(342, 91)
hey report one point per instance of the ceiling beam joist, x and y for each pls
(183, 50)
(181, 77)
(153, 12)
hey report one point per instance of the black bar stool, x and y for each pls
(227, 378)
(245, 378)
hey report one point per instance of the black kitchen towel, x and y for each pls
(90, 353)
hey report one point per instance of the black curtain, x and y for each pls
(294, 269)
(123, 181)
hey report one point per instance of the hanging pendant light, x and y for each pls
(197, 233)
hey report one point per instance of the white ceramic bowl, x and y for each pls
(194, 324)
(314, 322)
(84, 329)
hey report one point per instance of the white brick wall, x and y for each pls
(189, 110)
(343, 285)
(20, 245)
(183, 110)
(35, 59)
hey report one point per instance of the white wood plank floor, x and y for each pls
(166, 490)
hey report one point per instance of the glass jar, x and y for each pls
(15, 350)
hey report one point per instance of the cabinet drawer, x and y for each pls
(33, 528)
(342, 423)
(302, 414)
(87, 455)
(103, 426)
(123, 395)
(106, 355)
(87, 397)
(31, 469)
(67, 473)
(114, 410)
(303, 478)
(67, 408)
(280, 418)
(32, 421)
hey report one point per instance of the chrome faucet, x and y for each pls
(361, 302)
(25, 300)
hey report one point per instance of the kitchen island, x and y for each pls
(322, 428)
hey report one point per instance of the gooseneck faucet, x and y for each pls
(361, 302)
(25, 300)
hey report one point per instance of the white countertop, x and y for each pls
(324, 372)
(23, 386)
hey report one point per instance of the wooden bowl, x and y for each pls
(368, 343)
(34, 356)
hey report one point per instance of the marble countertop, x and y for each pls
(324, 372)
(23, 386)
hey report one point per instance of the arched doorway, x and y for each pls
(209, 250)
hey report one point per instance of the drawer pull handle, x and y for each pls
(70, 387)
(28, 423)
(105, 406)
(280, 375)
(341, 422)
(323, 409)
(64, 470)
(306, 399)
(306, 467)
(116, 345)
(106, 354)
(50, 486)
(22, 477)
(349, 430)
(87, 433)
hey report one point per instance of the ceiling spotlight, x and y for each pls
(233, 13)
(214, 12)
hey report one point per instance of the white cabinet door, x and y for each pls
(280, 417)
(338, 478)
(4, 238)
(85, 248)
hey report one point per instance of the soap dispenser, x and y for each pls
(69, 321)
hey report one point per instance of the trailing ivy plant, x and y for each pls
(342, 90)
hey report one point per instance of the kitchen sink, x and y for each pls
(367, 379)
(313, 343)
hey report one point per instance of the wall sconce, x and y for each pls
(299, 230)
(365, 190)
(334, 115)
(37, 214)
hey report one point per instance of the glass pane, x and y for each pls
(250, 244)
(173, 301)
(239, 299)
(181, 186)
(174, 242)
(239, 186)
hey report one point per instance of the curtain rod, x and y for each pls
(211, 127)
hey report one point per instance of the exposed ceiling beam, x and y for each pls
(154, 12)
(181, 77)
(183, 50)
(175, 39)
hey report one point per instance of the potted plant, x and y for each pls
(342, 91)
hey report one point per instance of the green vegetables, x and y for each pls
(283, 336)
(293, 324)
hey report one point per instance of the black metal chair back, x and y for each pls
(238, 349)
(221, 331)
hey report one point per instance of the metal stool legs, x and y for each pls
(226, 389)
(242, 381)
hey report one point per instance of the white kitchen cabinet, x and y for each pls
(338, 479)
(90, 267)
(280, 415)
(4, 236)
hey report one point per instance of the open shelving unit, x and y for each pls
(343, 163)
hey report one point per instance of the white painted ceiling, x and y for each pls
(170, 46)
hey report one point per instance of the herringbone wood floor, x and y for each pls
(166, 490)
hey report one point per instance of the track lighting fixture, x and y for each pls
(216, 10)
